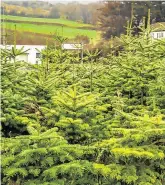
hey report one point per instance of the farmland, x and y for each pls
(49, 27)
(63, 22)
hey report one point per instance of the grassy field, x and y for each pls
(51, 29)
(45, 20)
(48, 27)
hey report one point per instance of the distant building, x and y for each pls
(158, 34)
(31, 56)
(72, 46)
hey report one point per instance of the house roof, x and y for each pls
(26, 47)
(159, 26)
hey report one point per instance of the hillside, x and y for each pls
(29, 28)
(86, 13)
(59, 21)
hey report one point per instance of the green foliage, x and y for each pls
(75, 117)
(100, 122)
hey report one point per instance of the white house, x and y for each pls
(158, 34)
(32, 55)
(72, 46)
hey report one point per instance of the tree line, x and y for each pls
(115, 15)
(86, 13)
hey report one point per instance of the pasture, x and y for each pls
(49, 27)
(61, 21)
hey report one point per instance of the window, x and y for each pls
(161, 34)
(152, 35)
(38, 55)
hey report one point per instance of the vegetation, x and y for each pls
(109, 16)
(35, 28)
(51, 29)
(59, 21)
(85, 13)
(96, 122)
(88, 22)
(114, 15)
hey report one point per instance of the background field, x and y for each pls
(49, 27)
(45, 20)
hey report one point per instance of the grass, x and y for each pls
(46, 20)
(51, 29)
(27, 38)
(32, 27)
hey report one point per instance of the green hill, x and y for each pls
(40, 28)
(48, 27)
(60, 21)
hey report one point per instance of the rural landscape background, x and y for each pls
(91, 116)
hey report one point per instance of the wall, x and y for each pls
(158, 34)
(30, 55)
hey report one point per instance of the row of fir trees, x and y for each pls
(101, 122)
